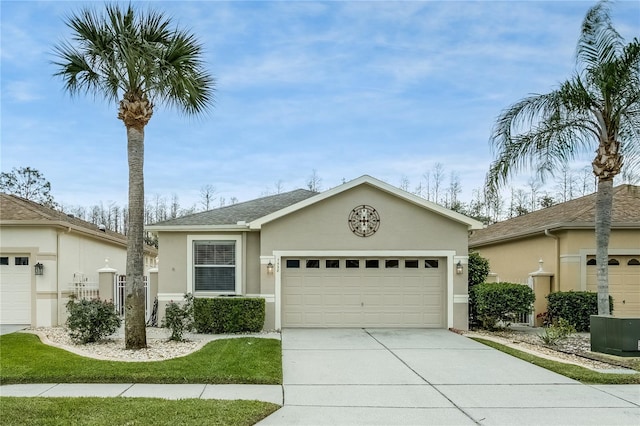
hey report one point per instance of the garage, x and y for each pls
(15, 289)
(624, 283)
(363, 292)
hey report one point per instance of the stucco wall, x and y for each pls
(514, 260)
(324, 226)
(172, 262)
(63, 254)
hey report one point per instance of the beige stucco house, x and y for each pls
(563, 237)
(68, 251)
(363, 254)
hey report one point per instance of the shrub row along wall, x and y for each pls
(229, 314)
(576, 307)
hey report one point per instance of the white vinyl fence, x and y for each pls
(83, 288)
(119, 294)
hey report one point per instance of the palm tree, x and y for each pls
(137, 59)
(596, 109)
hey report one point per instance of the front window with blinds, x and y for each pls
(214, 264)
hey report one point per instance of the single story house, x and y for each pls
(563, 237)
(362, 254)
(45, 255)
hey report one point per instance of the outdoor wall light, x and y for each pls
(459, 268)
(270, 268)
(39, 267)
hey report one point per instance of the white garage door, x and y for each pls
(15, 289)
(624, 283)
(363, 292)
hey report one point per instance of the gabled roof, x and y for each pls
(383, 186)
(235, 215)
(17, 211)
(253, 214)
(573, 214)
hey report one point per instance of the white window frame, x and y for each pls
(190, 266)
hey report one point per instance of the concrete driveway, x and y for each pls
(421, 377)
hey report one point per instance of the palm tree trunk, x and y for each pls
(135, 332)
(604, 203)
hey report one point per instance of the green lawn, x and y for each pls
(575, 372)
(131, 411)
(24, 359)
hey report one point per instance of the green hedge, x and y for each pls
(502, 301)
(574, 306)
(228, 314)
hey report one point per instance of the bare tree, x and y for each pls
(404, 183)
(565, 184)
(314, 183)
(206, 196)
(175, 206)
(453, 192)
(427, 190)
(534, 186)
(279, 186)
(438, 178)
(519, 202)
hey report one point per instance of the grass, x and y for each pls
(575, 372)
(131, 411)
(25, 359)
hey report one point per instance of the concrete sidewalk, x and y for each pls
(268, 393)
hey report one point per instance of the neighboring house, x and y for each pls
(67, 251)
(363, 254)
(563, 237)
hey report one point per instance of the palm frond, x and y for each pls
(124, 51)
(599, 41)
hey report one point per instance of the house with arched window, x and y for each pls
(563, 238)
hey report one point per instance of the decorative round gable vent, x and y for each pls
(364, 221)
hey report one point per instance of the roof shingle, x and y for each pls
(246, 211)
(17, 210)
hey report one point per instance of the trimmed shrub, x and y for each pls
(179, 318)
(575, 307)
(229, 314)
(502, 301)
(478, 268)
(478, 272)
(91, 320)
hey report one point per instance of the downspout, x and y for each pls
(557, 245)
(58, 275)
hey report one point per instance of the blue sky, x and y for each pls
(347, 88)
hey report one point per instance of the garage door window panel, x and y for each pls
(313, 263)
(372, 263)
(391, 263)
(352, 263)
(215, 266)
(431, 263)
(413, 263)
(4, 260)
(332, 263)
(21, 261)
(293, 263)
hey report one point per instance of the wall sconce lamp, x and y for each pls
(459, 268)
(269, 268)
(39, 267)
